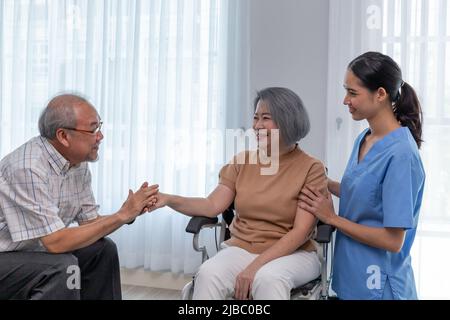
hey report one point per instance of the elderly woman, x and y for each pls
(270, 250)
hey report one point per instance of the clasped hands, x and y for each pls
(149, 197)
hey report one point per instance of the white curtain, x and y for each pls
(416, 34)
(157, 71)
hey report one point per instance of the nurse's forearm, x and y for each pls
(334, 187)
(390, 239)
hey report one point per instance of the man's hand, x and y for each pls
(138, 202)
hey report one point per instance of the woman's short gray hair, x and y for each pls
(59, 113)
(288, 113)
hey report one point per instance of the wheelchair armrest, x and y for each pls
(196, 223)
(324, 232)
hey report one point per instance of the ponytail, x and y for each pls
(408, 112)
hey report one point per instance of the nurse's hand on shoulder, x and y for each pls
(334, 187)
(316, 203)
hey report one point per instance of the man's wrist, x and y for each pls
(123, 217)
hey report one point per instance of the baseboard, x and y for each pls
(163, 280)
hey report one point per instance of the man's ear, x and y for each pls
(382, 95)
(62, 137)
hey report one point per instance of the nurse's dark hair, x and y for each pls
(376, 70)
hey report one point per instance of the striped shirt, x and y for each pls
(40, 194)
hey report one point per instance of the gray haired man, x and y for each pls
(45, 186)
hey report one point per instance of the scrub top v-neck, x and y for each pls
(384, 189)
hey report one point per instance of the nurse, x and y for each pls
(382, 187)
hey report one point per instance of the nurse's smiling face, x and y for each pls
(361, 102)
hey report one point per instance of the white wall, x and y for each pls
(289, 48)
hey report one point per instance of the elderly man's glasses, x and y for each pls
(95, 131)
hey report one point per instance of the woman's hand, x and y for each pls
(317, 204)
(162, 199)
(243, 286)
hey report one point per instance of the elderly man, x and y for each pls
(45, 185)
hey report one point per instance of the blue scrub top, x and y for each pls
(384, 190)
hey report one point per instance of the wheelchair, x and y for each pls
(317, 289)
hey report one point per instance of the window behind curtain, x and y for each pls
(416, 33)
(155, 70)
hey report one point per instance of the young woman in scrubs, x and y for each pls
(382, 187)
